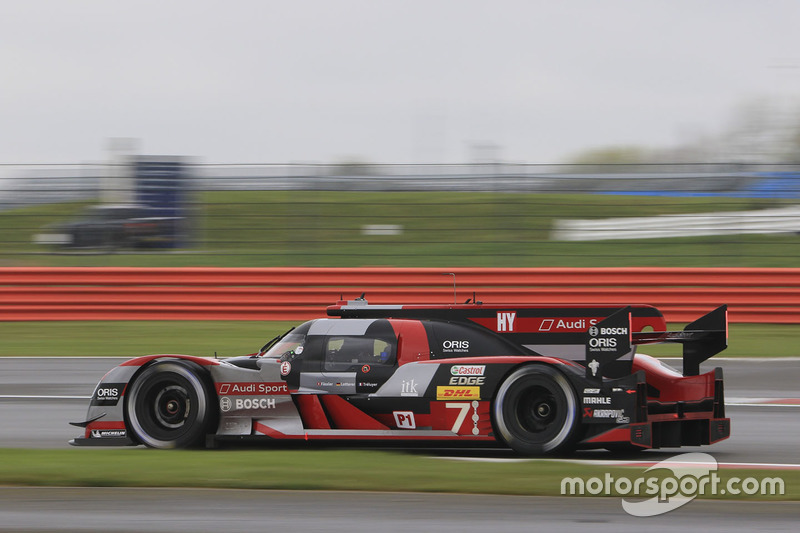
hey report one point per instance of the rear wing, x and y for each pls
(612, 338)
(702, 339)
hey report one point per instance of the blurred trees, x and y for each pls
(761, 130)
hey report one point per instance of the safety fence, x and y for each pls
(174, 212)
(757, 295)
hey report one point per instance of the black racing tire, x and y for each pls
(535, 411)
(169, 405)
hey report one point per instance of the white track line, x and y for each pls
(627, 463)
(761, 405)
(763, 402)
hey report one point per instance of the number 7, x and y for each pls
(464, 406)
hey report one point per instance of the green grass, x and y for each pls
(228, 338)
(440, 229)
(314, 470)
(134, 338)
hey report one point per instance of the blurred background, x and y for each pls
(157, 211)
(354, 133)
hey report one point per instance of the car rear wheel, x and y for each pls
(169, 405)
(535, 411)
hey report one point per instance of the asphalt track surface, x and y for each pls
(248, 511)
(39, 396)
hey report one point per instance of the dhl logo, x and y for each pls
(455, 393)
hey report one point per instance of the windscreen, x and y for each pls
(290, 344)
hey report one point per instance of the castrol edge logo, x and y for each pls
(467, 370)
(467, 375)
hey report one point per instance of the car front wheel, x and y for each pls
(169, 405)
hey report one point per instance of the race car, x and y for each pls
(538, 379)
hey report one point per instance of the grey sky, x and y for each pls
(326, 81)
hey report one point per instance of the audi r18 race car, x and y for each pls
(538, 379)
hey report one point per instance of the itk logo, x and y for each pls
(505, 321)
(409, 388)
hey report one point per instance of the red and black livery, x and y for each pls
(539, 379)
